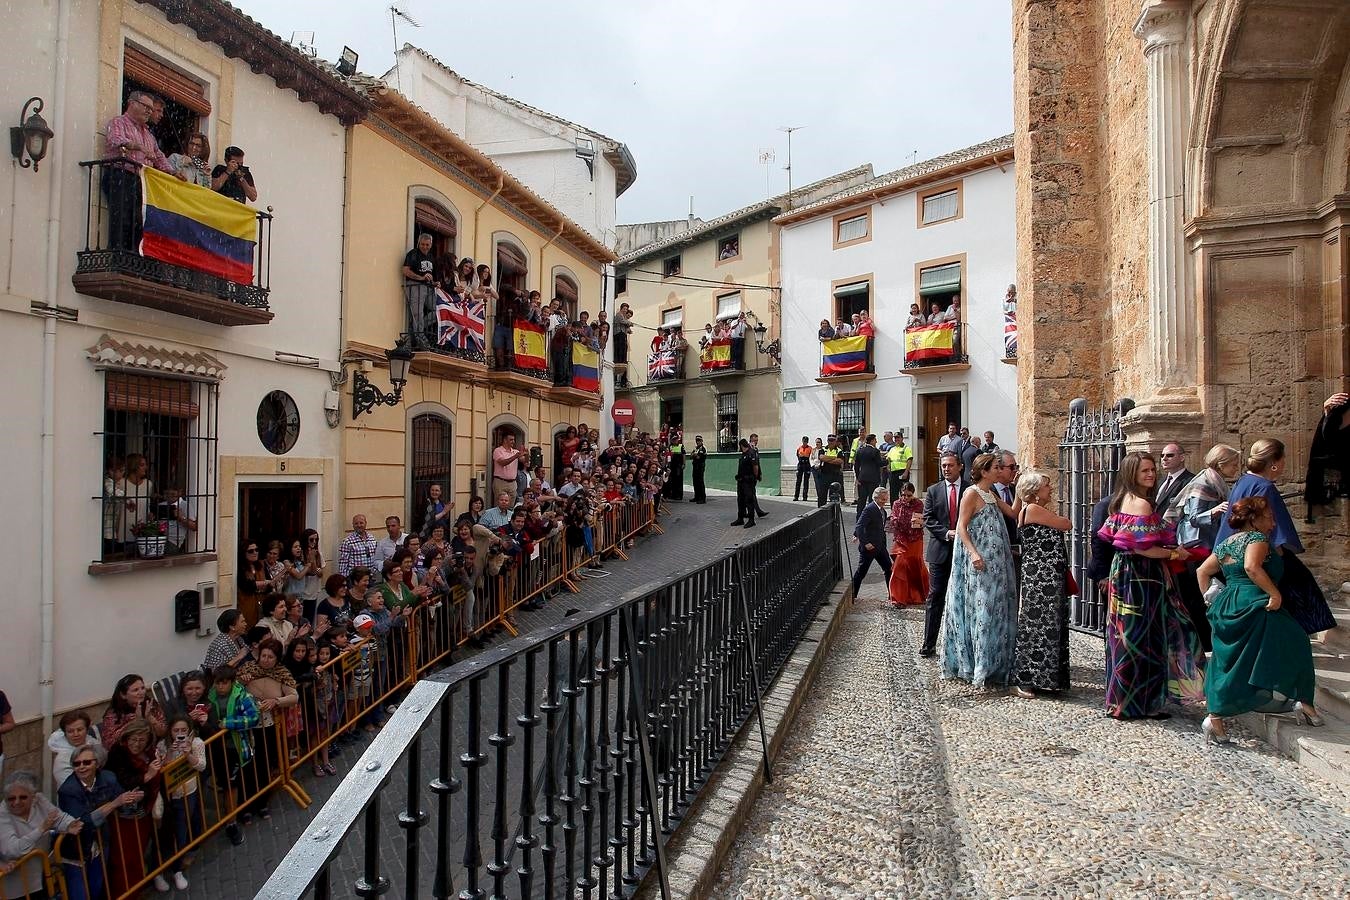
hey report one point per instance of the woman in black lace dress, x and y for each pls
(1042, 662)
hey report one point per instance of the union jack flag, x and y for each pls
(460, 322)
(660, 365)
(1009, 332)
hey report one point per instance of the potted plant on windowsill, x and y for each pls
(151, 538)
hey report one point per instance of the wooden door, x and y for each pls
(938, 410)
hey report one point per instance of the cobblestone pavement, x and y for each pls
(895, 783)
(693, 534)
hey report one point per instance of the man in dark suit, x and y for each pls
(1005, 485)
(941, 503)
(1173, 478)
(1103, 552)
(867, 467)
(870, 530)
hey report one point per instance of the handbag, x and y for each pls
(1070, 584)
(1303, 598)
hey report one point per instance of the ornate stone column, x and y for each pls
(1172, 412)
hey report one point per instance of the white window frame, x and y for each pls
(729, 313)
(672, 318)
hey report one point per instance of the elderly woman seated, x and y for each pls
(28, 823)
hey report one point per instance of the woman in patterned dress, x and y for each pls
(909, 576)
(979, 623)
(1152, 650)
(1043, 624)
(1259, 649)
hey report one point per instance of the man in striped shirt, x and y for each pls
(128, 137)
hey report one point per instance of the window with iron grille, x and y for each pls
(728, 423)
(432, 439)
(849, 416)
(159, 466)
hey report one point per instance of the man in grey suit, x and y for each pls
(870, 530)
(1173, 478)
(941, 502)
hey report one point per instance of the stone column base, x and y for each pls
(1162, 420)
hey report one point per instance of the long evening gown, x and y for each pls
(1152, 650)
(979, 623)
(909, 575)
(1257, 653)
(1043, 622)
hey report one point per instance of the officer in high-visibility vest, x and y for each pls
(898, 460)
(832, 469)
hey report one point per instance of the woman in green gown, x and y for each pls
(1259, 650)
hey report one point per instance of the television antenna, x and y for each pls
(766, 158)
(397, 12)
(304, 42)
(789, 129)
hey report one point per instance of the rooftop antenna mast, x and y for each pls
(396, 13)
(789, 129)
(766, 157)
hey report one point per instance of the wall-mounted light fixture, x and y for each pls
(28, 142)
(586, 153)
(366, 396)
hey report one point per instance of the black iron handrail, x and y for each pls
(108, 252)
(576, 750)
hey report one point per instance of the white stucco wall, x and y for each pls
(539, 151)
(110, 624)
(986, 233)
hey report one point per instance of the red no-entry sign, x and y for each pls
(623, 412)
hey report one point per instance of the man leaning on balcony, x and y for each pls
(129, 140)
(419, 289)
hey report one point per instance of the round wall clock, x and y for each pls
(278, 422)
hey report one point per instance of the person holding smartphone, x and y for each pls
(233, 178)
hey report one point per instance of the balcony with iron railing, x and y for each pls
(665, 366)
(936, 348)
(181, 262)
(847, 359)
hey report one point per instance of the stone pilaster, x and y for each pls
(1172, 410)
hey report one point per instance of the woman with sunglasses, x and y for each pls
(27, 823)
(91, 795)
(252, 580)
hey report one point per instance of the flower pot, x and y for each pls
(151, 547)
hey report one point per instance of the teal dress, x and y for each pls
(979, 623)
(1257, 653)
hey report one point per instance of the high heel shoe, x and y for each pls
(1211, 732)
(1307, 718)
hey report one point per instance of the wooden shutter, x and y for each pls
(430, 216)
(563, 287)
(165, 80)
(158, 396)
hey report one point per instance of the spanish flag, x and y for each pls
(929, 342)
(844, 356)
(528, 341)
(585, 368)
(716, 355)
(194, 227)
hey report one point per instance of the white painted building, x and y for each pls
(579, 170)
(934, 231)
(129, 356)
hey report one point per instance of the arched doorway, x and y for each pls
(565, 289)
(513, 265)
(433, 218)
(498, 428)
(431, 461)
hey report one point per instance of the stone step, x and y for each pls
(1333, 682)
(1324, 751)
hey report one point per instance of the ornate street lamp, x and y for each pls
(28, 142)
(366, 396)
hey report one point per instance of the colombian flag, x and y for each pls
(194, 227)
(929, 342)
(844, 356)
(716, 355)
(528, 341)
(585, 368)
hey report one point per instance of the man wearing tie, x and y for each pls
(941, 502)
(870, 530)
(1175, 477)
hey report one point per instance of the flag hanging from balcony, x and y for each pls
(844, 356)
(715, 356)
(460, 322)
(1010, 333)
(194, 227)
(930, 342)
(661, 365)
(528, 341)
(585, 368)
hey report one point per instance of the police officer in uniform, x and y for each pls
(832, 469)
(700, 457)
(759, 474)
(747, 473)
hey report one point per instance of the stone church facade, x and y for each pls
(1183, 189)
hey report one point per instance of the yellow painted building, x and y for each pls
(408, 174)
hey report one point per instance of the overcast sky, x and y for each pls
(698, 88)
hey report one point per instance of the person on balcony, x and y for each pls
(826, 332)
(738, 342)
(192, 165)
(233, 179)
(128, 139)
(916, 317)
(705, 340)
(503, 328)
(419, 290)
(466, 279)
(623, 327)
(842, 329)
(865, 328)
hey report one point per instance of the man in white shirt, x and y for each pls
(498, 516)
(738, 342)
(387, 546)
(572, 486)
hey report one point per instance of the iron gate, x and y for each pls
(1089, 457)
